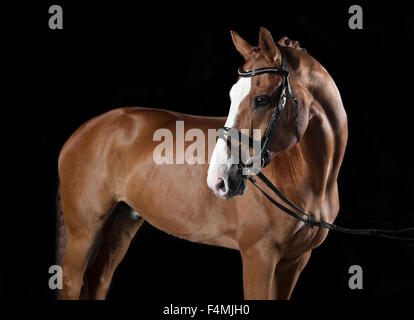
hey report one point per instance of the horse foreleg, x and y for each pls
(259, 262)
(287, 274)
(117, 236)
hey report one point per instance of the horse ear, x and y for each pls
(267, 44)
(241, 45)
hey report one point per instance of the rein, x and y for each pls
(311, 221)
(265, 157)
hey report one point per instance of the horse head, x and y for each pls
(255, 100)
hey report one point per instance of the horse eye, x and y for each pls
(261, 101)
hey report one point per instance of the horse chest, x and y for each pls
(305, 239)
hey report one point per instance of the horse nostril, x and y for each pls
(221, 185)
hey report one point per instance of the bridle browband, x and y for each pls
(265, 156)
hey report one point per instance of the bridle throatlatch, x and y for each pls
(264, 157)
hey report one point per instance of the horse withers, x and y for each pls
(110, 183)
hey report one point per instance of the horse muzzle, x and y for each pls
(229, 184)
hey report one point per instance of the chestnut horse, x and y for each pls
(110, 184)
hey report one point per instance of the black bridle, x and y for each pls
(280, 103)
(265, 156)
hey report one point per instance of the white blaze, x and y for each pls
(220, 162)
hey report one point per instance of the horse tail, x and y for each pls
(61, 235)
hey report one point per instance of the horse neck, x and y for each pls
(302, 171)
(308, 164)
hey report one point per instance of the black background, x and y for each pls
(182, 58)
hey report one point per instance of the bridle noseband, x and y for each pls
(265, 153)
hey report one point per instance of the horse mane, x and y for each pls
(286, 42)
